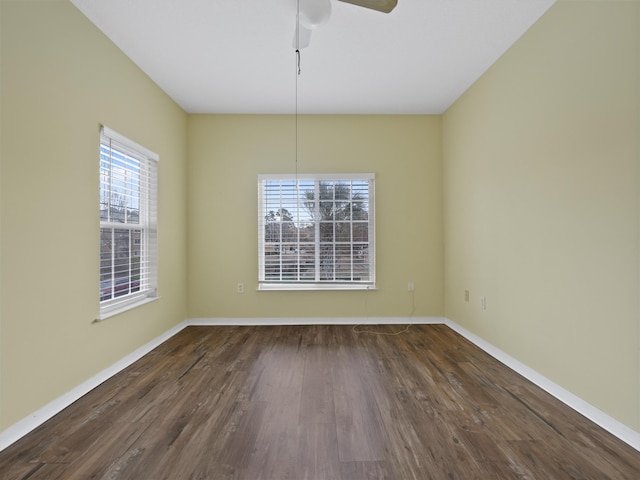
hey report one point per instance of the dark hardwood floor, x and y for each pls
(318, 402)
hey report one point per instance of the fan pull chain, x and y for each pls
(298, 74)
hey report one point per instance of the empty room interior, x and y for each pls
(507, 218)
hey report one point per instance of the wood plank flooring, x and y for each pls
(318, 402)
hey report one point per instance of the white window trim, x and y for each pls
(115, 306)
(265, 285)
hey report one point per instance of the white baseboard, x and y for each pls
(597, 416)
(624, 433)
(316, 321)
(37, 418)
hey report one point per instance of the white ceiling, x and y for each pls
(237, 56)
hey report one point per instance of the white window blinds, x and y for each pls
(316, 231)
(128, 223)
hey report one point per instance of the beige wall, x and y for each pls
(541, 185)
(1, 336)
(60, 79)
(226, 154)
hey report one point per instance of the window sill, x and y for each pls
(313, 287)
(124, 307)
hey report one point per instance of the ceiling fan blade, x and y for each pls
(384, 6)
(301, 37)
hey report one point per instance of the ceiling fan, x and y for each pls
(313, 13)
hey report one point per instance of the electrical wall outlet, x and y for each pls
(483, 303)
(240, 287)
(410, 287)
(466, 295)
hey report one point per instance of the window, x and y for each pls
(128, 223)
(316, 232)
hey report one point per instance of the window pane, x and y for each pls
(307, 233)
(326, 232)
(343, 262)
(343, 211)
(342, 191)
(327, 261)
(120, 186)
(106, 252)
(326, 211)
(343, 232)
(272, 231)
(307, 262)
(361, 266)
(289, 265)
(359, 211)
(360, 231)
(272, 265)
(289, 232)
(119, 269)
